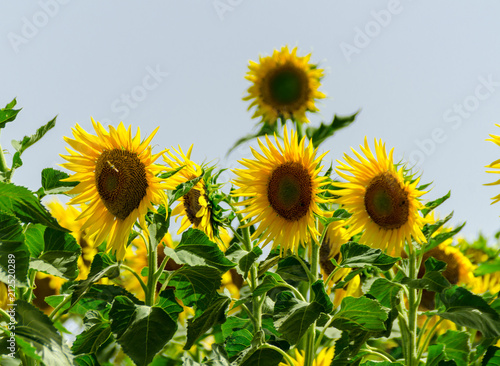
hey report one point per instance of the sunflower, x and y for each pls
(283, 187)
(324, 358)
(4, 299)
(194, 207)
(495, 165)
(383, 201)
(117, 176)
(284, 85)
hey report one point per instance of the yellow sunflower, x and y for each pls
(194, 207)
(4, 299)
(117, 175)
(488, 282)
(383, 202)
(324, 358)
(283, 187)
(284, 85)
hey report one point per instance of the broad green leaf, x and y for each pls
(270, 281)
(36, 328)
(435, 355)
(263, 356)
(492, 357)
(141, 330)
(360, 313)
(356, 255)
(60, 255)
(52, 184)
(168, 302)
(488, 267)
(245, 263)
(217, 357)
(323, 131)
(158, 223)
(213, 315)
(28, 141)
(90, 340)
(14, 254)
(196, 249)
(8, 113)
(385, 291)
(234, 323)
(429, 206)
(238, 341)
(457, 346)
(432, 264)
(22, 203)
(289, 268)
(321, 297)
(86, 360)
(34, 239)
(469, 310)
(432, 281)
(196, 286)
(347, 347)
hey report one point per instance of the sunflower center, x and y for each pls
(386, 202)
(121, 182)
(289, 191)
(192, 206)
(287, 85)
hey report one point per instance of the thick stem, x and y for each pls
(152, 267)
(59, 307)
(412, 359)
(311, 349)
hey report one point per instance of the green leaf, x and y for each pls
(381, 363)
(60, 255)
(266, 129)
(457, 346)
(441, 237)
(28, 141)
(184, 188)
(434, 265)
(142, 331)
(36, 328)
(168, 302)
(435, 355)
(215, 314)
(52, 184)
(22, 203)
(469, 310)
(429, 206)
(323, 131)
(492, 357)
(196, 286)
(270, 281)
(356, 255)
(289, 268)
(488, 267)
(430, 229)
(263, 356)
(170, 173)
(86, 360)
(8, 114)
(158, 223)
(238, 341)
(432, 281)
(293, 317)
(247, 260)
(34, 239)
(361, 314)
(196, 249)
(386, 292)
(14, 254)
(90, 340)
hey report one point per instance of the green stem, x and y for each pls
(29, 293)
(311, 349)
(288, 359)
(428, 338)
(5, 315)
(59, 307)
(412, 359)
(152, 267)
(143, 285)
(379, 353)
(325, 327)
(294, 290)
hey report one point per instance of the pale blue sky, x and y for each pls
(426, 75)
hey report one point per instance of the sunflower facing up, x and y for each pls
(383, 202)
(283, 187)
(194, 207)
(117, 175)
(283, 85)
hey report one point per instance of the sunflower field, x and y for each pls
(296, 260)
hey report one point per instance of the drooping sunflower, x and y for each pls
(283, 85)
(194, 207)
(118, 180)
(494, 165)
(324, 358)
(383, 201)
(335, 236)
(283, 187)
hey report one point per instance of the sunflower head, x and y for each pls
(118, 181)
(199, 207)
(324, 357)
(284, 189)
(494, 165)
(383, 199)
(284, 86)
(4, 299)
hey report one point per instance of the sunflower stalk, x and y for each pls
(152, 268)
(4, 169)
(311, 334)
(411, 357)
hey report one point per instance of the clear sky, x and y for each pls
(426, 75)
